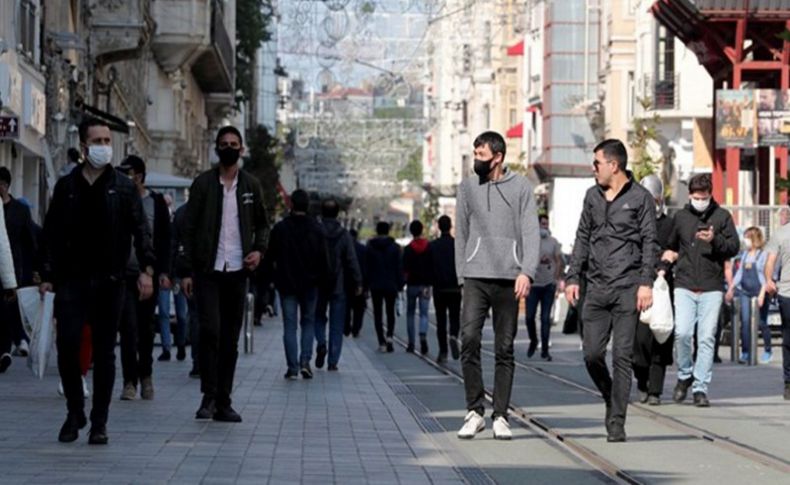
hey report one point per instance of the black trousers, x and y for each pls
(7, 309)
(219, 299)
(380, 298)
(97, 303)
(447, 302)
(355, 313)
(194, 330)
(480, 295)
(137, 334)
(610, 313)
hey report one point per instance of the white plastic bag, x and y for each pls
(43, 336)
(560, 309)
(29, 299)
(660, 316)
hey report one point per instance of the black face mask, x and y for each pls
(483, 168)
(228, 156)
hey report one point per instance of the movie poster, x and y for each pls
(735, 118)
(773, 117)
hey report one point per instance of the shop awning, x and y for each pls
(516, 131)
(516, 50)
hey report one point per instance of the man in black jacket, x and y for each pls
(355, 311)
(446, 291)
(225, 236)
(344, 275)
(299, 260)
(703, 238)
(385, 277)
(179, 217)
(137, 320)
(87, 237)
(616, 239)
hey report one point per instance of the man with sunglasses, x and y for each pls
(225, 236)
(616, 241)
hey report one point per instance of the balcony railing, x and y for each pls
(664, 93)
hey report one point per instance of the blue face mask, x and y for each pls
(544, 233)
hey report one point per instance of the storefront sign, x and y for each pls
(9, 127)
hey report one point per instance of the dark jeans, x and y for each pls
(355, 313)
(380, 298)
(480, 295)
(650, 360)
(299, 312)
(610, 313)
(99, 304)
(784, 308)
(447, 302)
(7, 309)
(220, 307)
(137, 334)
(746, 324)
(336, 305)
(543, 296)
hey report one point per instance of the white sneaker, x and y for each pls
(473, 424)
(85, 391)
(502, 429)
(22, 350)
(61, 392)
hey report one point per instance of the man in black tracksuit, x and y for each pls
(137, 316)
(225, 236)
(94, 213)
(616, 238)
(385, 277)
(446, 291)
(355, 311)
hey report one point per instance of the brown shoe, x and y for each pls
(129, 392)
(147, 388)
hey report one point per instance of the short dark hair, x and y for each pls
(73, 155)
(228, 129)
(415, 228)
(700, 183)
(543, 216)
(5, 175)
(300, 201)
(494, 141)
(88, 123)
(445, 223)
(613, 149)
(330, 208)
(382, 228)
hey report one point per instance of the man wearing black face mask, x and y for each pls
(225, 235)
(496, 257)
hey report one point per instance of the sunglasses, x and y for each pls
(597, 163)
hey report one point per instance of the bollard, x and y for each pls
(735, 333)
(754, 327)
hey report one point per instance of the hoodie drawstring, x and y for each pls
(501, 195)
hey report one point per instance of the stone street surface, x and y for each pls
(392, 418)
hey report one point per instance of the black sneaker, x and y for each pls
(701, 400)
(423, 345)
(70, 430)
(454, 352)
(307, 372)
(787, 391)
(442, 359)
(98, 435)
(195, 372)
(332, 368)
(291, 375)
(207, 408)
(226, 414)
(390, 347)
(5, 362)
(181, 354)
(716, 359)
(615, 433)
(533, 346)
(320, 356)
(546, 356)
(681, 390)
(164, 356)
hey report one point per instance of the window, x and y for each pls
(663, 91)
(513, 118)
(27, 28)
(512, 97)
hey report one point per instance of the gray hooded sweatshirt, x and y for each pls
(496, 227)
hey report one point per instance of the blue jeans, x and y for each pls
(543, 296)
(164, 319)
(415, 293)
(299, 308)
(700, 310)
(746, 324)
(336, 304)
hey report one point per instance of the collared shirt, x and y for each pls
(229, 251)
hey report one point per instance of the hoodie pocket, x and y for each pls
(495, 257)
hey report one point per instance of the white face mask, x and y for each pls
(99, 156)
(700, 205)
(747, 243)
(544, 233)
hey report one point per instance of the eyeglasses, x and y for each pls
(234, 144)
(597, 163)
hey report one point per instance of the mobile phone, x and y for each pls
(702, 227)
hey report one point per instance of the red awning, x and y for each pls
(516, 132)
(516, 50)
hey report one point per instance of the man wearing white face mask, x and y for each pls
(86, 242)
(703, 237)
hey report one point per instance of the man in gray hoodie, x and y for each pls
(496, 256)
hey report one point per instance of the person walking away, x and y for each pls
(778, 283)
(344, 274)
(163, 304)
(651, 358)
(749, 282)
(616, 241)
(225, 236)
(94, 216)
(137, 321)
(496, 258)
(544, 289)
(8, 283)
(355, 311)
(417, 268)
(446, 290)
(185, 307)
(298, 259)
(703, 238)
(24, 247)
(385, 277)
